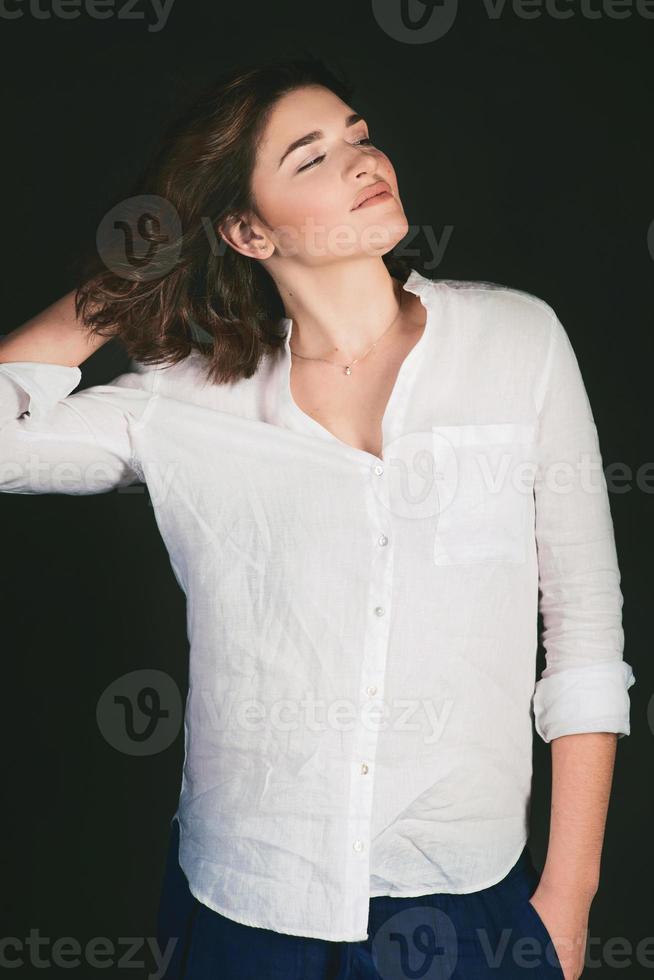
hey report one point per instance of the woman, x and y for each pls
(358, 508)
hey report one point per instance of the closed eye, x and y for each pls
(365, 141)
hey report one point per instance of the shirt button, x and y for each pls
(379, 469)
(364, 768)
(358, 845)
(382, 540)
(371, 691)
(379, 610)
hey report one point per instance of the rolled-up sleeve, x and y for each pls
(52, 441)
(584, 686)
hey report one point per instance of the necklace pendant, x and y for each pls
(348, 369)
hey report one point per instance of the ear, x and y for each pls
(240, 235)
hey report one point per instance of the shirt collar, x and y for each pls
(288, 414)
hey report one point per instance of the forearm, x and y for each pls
(54, 336)
(582, 774)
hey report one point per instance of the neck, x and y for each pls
(342, 309)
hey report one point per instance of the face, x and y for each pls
(315, 159)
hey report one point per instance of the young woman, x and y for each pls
(363, 476)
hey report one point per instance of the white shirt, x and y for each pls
(363, 630)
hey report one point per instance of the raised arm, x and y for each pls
(52, 441)
(54, 336)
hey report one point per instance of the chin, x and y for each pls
(394, 229)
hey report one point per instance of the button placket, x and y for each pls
(373, 670)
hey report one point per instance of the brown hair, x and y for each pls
(191, 290)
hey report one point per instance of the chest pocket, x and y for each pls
(485, 477)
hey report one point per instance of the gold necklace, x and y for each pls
(347, 368)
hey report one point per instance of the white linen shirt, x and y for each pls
(362, 629)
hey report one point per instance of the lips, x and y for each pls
(380, 187)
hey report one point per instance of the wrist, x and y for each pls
(566, 886)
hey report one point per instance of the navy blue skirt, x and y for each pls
(492, 933)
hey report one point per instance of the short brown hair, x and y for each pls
(225, 305)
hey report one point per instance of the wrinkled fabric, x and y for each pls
(362, 629)
(484, 935)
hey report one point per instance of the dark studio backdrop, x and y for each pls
(522, 141)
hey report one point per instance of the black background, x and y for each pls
(532, 139)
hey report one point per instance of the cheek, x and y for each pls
(314, 198)
(278, 204)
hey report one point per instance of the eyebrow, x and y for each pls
(317, 134)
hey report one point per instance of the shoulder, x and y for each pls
(166, 378)
(509, 303)
(492, 317)
(189, 381)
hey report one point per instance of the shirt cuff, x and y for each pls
(34, 388)
(584, 699)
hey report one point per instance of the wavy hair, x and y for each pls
(189, 289)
